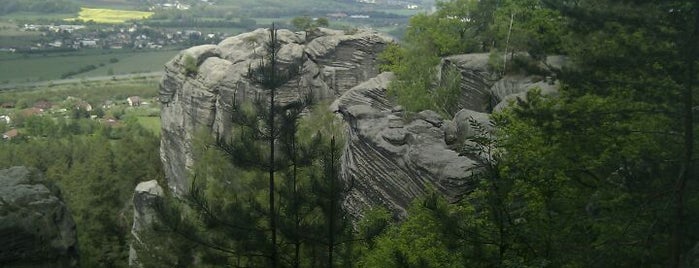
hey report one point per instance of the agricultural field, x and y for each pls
(16, 68)
(103, 15)
(129, 63)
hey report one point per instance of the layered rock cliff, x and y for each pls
(391, 160)
(332, 63)
(390, 156)
(36, 228)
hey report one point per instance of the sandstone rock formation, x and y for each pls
(390, 158)
(144, 198)
(332, 64)
(36, 228)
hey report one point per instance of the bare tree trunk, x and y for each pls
(333, 199)
(272, 212)
(297, 223)
(507, 43)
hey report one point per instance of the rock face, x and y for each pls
(144, 198)
(36, 228)
(476, 80)
(390, 158)
(331, 64)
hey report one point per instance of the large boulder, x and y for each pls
(36, 228)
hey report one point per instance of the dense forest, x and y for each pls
(602, 175)
(96, 167)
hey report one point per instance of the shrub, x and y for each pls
(495, 61)
(190, 65)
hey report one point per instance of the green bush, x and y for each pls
(446, 95)
(190, 65)
(495, 61)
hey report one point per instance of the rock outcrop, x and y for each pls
(144, 200)
(390, 156)
(36, 228)
(476, 80)
(390, 160)
(332, 63)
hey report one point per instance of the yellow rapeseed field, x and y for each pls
(100, 15)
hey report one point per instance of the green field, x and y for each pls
(31, 68)
(93, 92)
(151, 123)
(141, 62)
(16, 68)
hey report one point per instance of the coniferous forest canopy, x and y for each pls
(601, 174)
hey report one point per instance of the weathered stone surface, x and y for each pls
(144, 199)
(463, 119)
(36, 228)
(390, 163)
(332, 63)
(476, 80)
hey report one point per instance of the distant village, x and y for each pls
(138, 36)
(77, 36)
(71, 107)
